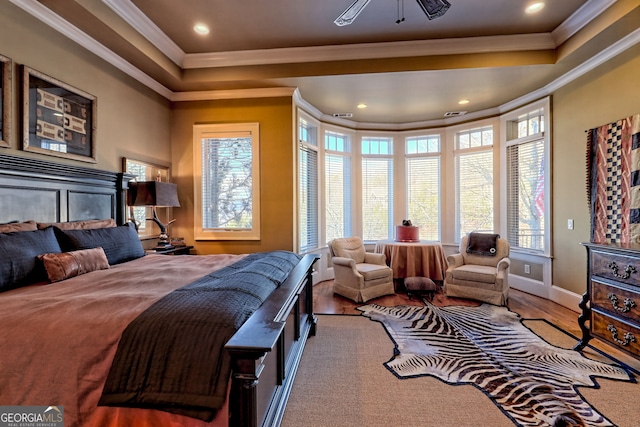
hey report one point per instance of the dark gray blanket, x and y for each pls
(172, 358)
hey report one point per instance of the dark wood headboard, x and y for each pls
(53, 192)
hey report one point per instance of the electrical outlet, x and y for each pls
(527, 269)
(570, 224)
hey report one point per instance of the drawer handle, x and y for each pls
(628, 303)
(628, 336)
(628, 270)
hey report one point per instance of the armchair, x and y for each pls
(359, 275)
(482, 277)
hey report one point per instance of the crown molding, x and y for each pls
(233, 94)
(44, 14)
(36, 9)
(147, 28)
(580, 18)
(358, 51)
(615, 49)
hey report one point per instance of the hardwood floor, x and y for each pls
(526, 305)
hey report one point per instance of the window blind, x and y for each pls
(525, 195)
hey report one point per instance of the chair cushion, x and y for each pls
(373, 271)
(475, 273)
(349, 247)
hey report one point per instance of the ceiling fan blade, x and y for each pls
(434, 8)
(350, 13)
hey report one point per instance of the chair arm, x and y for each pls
(454, 260)
(375, 258)
(503, 264)
(344, 262)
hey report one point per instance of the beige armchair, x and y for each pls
(479, 277)
(359, 275)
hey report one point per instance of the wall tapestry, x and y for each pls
(613, 181)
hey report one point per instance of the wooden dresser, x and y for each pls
(611, 305)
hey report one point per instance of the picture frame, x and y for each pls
(6, 68)
(58, 119)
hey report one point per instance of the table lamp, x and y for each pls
(155, 194)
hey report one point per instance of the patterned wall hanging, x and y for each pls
(613, 181)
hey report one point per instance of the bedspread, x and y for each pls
(172, 358)
(58, 340)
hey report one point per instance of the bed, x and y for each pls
(78, 291)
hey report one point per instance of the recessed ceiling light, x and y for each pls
(361, 106)
(201, 29)
(534, 7)
(463, 102)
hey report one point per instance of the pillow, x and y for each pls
(80, 225)
(18, 226)
(19, 252)
(120, 244)
(64, 265)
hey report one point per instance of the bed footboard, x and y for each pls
(267, 349)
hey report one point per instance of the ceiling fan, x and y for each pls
(432, 8)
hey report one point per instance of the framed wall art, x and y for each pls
(59, 119)
(6, 66)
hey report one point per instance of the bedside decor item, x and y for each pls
(407, 232)
(5, 100)
(155, 194)
(58, 119)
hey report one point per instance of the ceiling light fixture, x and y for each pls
(362, 105)
(201, 29)
(534, 7)
(432, 8)
(463, 102)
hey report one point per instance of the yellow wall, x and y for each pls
(604, 95)
(133, 121)
(275, 117)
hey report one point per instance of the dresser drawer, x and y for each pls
(620, 334)
(617, 267)
(624, 303)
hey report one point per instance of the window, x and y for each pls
(337, 171)
(526, 185)
(227, 198)
(144, 171)
(422, 154)
(474, 180)
(377, 188)
(308, 185)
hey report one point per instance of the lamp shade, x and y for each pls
(153, 193)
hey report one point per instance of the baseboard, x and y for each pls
(556, 294)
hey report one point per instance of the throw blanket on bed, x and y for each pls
(172, 358)
(482, 244)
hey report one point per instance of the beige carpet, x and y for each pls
(342, 382)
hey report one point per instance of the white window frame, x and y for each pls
(520, 255)
(422, 154)
(348, 154)
(392, 159)
(457, 152)
(315, 146)
(201, 132)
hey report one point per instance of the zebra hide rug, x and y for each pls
(531, 381)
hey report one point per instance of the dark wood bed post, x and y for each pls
(122, 184)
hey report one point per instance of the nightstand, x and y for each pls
(178, 250)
